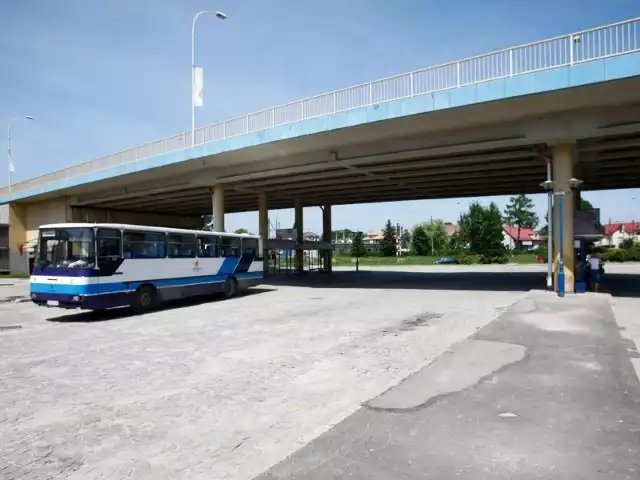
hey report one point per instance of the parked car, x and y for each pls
(445, 261)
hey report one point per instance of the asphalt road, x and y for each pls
(547, 391)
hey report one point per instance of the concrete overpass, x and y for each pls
(471, 127)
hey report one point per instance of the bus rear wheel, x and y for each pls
(145, 300)
(230, 287)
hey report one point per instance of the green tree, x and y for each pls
(481, 229)
(627, 244)
(430, 238)
(405, 239)
(241, 230)
(357, 245)
(420, 244)
(519, 213)
(437, 234)
(388, 243)
(585, 205)
(455, 244)
(205, 222)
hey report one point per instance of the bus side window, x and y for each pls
(208, 247)
(250, 247)
(144, 245)
(230, 247)
(109, 244)
(181, 246)
(225, 247)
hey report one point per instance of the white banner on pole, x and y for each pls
(198, 99)
(12, 167)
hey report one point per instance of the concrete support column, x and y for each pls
(18, 254)
(326, 236)
(299, 224)
(263, 229)
(217, 201)
(562, 173)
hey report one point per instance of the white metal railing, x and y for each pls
(610, 40)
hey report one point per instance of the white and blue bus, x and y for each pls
(96, 266)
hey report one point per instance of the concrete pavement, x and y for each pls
(14, 290)
(211, 389)
(546, 391)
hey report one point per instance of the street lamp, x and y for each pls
(10, 165)
(548, 187)
(220, 16)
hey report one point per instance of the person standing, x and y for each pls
(595, 272)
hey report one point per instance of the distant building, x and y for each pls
(617, 232)
(529, 239)
(342, 246)
(451, 228)
(370, 240)
(290, 234)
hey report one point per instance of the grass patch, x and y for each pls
(373, 260)
(14, 275)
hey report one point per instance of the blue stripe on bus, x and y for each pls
(113, 287)
(244, 264)
(228, 266)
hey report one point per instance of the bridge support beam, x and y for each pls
(326, 237)
(263, 229)
(299, 226)
(18, 254)
(563, 168)
(217, 202)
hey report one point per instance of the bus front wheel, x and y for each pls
(145, 300)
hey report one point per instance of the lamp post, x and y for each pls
(561, 284)
(548, 186)
(10, 165)
(221, 16)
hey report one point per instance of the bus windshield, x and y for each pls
(66, 248)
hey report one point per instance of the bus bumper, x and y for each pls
(89, 302)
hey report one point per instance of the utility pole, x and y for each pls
(433, 253)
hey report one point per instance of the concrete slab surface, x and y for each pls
(570, 409)
(463, 366)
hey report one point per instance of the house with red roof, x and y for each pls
(451, 228)
(617, 232)
(528, 239)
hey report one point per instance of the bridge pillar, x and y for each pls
(217, 202)
(299, 225)
(326, 236)
(563, 163)
(18, 254)
(263, 229)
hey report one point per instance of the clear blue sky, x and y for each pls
(102, 76)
